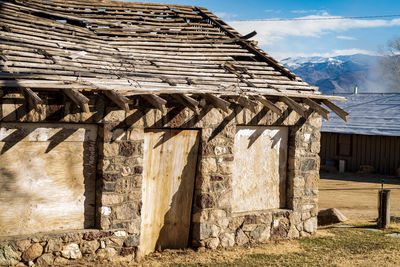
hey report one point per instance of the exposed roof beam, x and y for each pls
(246, 44)
(246, 103)
(339, 111)
(117, 98)
(33, 99)
(155, 100)
(90, 84)
(274, 108)
(294, 105)
(318, 108)
(187, 101)
(78, 98)
(217, 102)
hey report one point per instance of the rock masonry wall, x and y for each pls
(120, 170)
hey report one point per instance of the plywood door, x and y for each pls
(259, 177)
(47, 176)
(170, 167)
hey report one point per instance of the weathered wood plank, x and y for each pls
(338, 110)
(171, 157)
(187, 101)
(55, 191)
(294, 105)
(318, 108)
(246, 103)
(217, 102)
(78, 98)
(33, 99)
(274, 108)
(155, 100)
(117, 98)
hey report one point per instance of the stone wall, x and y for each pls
(120, 169)
(63, 248)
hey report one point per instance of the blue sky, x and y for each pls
(310, 37)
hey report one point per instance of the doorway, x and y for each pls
(170, 159)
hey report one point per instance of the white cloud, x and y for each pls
(333, 53)
(272, 31)
(343, 37)
(305, 11)
(225, 15)
(272, 11)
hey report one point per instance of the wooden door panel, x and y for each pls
(169, 171)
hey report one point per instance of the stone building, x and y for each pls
(128, 127)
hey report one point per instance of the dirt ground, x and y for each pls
(361, 245)
(356, 195)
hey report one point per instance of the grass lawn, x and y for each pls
(330, 247)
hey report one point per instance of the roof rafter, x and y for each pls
(33, 99)
(120, 100)
(338, 110)
(317, 107)
(294, 105)
(78, 98)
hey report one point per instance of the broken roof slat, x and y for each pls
(248, 45)
(171, 49)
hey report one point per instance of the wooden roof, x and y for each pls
(128, 48)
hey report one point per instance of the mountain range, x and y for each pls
(341, 74)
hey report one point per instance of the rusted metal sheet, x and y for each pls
(169, 171)
(259, 176)
(47, 176)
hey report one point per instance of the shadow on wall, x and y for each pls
(175, 232)
(30, 182)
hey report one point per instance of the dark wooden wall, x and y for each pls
(381, 152)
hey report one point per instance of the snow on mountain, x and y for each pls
(298, 61)
(339, 74)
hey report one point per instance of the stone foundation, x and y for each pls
(66, 248)
(120, 175)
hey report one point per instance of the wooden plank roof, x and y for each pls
(134, 48)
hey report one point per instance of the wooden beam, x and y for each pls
(246, 103)
(155, 100)
(339, 111)
(117, 98)
(294, 105)
(33, 99)
(78, 98)
(274, 108)
(249, 35)
(187, 101)
(217, 102)
(318, 108)
(245, 44)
